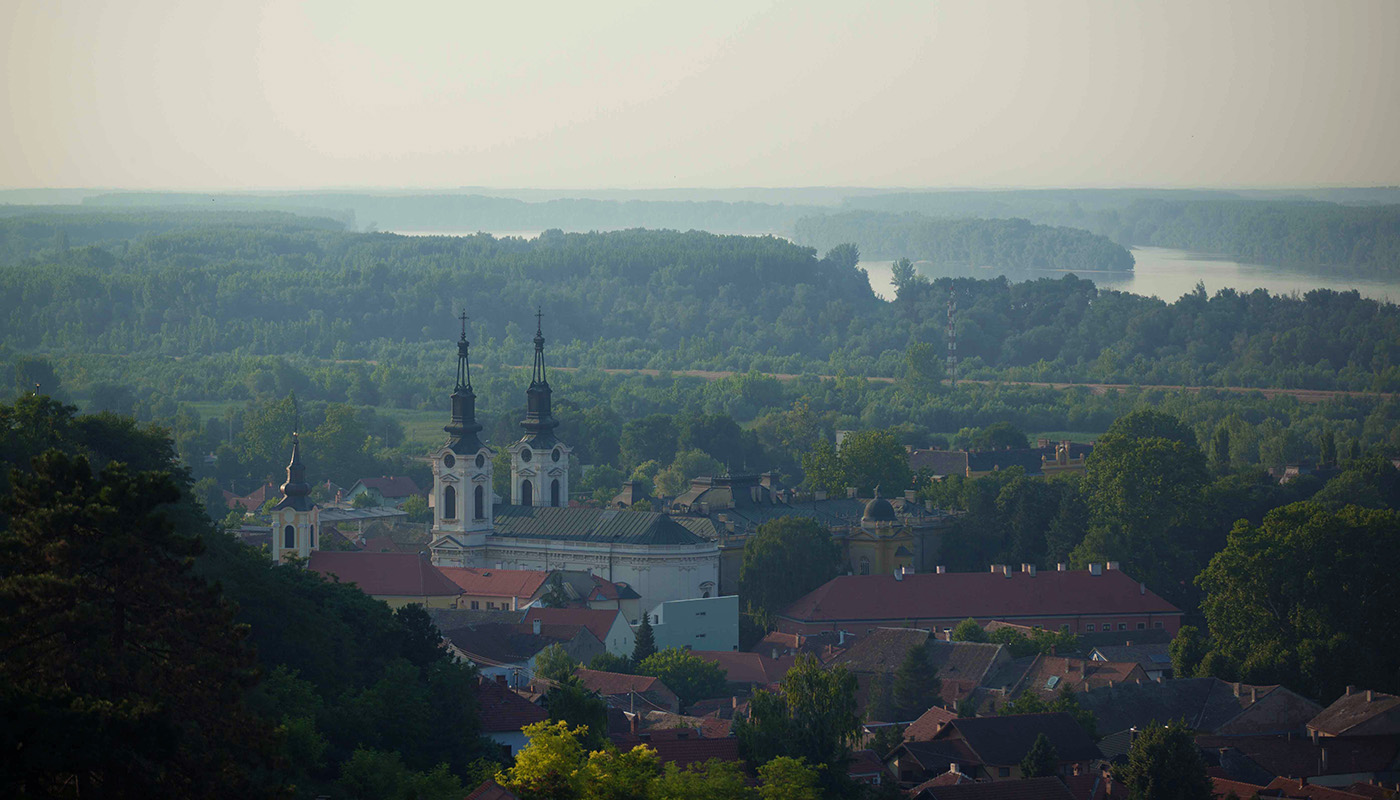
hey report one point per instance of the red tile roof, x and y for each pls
(981, 595)
(599, 621)
(1049, 674)
(385, 574)
(748, 667)
(682, 751)
(522, 583)
(1371, 790)
(864, 763)
(390, 486)
(1222, 787)
(1287, 787)
(931, 722)
(1024, 789)
(490, 790)
(609, 683)
(504, 711)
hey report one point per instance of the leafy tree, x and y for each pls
(602, 482)
(689, 676)
(916, 683)
(1165, 764)
(612, 775)
(553, 664)
(555, 596)
(1041, 761)
(786, 778)
(902, 275)
(923, 367)
(1304, 598)
(875, 458)
(364, 500)
(417, 509)
(1220, 449)
(381, 775)
(886, 738)
(968, 631)
(844, 255)
(644, 642)
(549, 767)
(711, 780)
(1187, 650)
(823, 470)
(1000, 436)
(1031, 703)
(126, 669)
(813, 717)
(786, 558)
(571, 702)
(610, 662)
(675, 479)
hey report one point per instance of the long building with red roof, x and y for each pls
(1084, 601)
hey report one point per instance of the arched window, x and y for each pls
(527, 493)
(554, 493)
(449, 503)
(311, 532)
(864, 565)
(289, 536)
(480, 503)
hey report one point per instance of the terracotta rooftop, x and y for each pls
(1287, 787)
(865, 763)
(1297, 757)
(1004, 741)
(682, 748)
(609, 683)
(504, 711)
(598, 621)
(928, 724)
(1206, 704)
(1048, 675)
(1223, 787)
(1359, 712)
(522, 583)
(980, 595)
(385, 574)
(741, 667)
(1025, 789)
(490, 790)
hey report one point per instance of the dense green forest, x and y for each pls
(634, 299)
(1356, 239)
(1006, 244)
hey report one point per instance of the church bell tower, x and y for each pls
(539, 462)
(295, 519)
(461, 473)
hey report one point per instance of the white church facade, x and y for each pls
(655, 555)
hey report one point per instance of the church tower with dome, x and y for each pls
(539, 462)
(462, 510)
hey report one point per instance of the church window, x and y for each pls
(289, 536)
(554, 493)
(480, 460)
(311, 532)
(525, 454)
(527, 493)
(480, 500)
(556, 454)
(449, 461)
(864, 565)
(449, 503)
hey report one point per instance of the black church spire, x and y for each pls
(463, 428)
(295, 492)
(539, 422)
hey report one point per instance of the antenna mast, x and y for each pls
(952, 344)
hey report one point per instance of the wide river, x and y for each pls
(1160, 272)
(1168, 274)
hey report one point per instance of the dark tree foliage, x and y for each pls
(812, 716)
(644, 642)
(1165, 764)
(1041, 760)
(572, 702)
(916, 684)
(784, 560)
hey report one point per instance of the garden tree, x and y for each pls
(1000, 436)
(1187, 649)
(675, 479)
(1040, 641)
(553, 664)
(710, 780)
(364, 500)
(33, 375)
(786, 558)
(1065, 700)
(1327, 449)
(786, 778)
(880, 706)
(968, 631)
(267, 435)
(812, 716)
(628, 775)
(381, 775)
(644, 642)
(789, 434)
(651, 438)
(689, 676)
(124, 673)
(715, 435)
(822, 469)
(548, 768)
(1306, 599)
(886, 738)
(875, 458)
(340, 448)
(602, 482)
(646, 473)
(916, 684)
(902, 275)
(1165, 764)
(923, 368)
(500, 474)
(1371, 482)
(1220, 449)
(583, 709)
(844, 255)
(417, 509)
(610, 662)
(1041, 761)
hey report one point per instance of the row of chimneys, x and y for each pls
(1029, 569)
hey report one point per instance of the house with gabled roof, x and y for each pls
(1154, 657)
(1049, 675)
(630, 691)
(962, 666)
(387, 490)
(503, 713)
(509, 649)
(608, 625)
(1208, 705)
(396, 578)
(1359, 712)
(497, 589)
(991, 748)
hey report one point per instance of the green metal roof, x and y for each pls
(600, 525)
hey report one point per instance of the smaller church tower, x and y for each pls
(461, 473)
(539, 462)
(295, 520)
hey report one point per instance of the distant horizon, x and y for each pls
(347, 188)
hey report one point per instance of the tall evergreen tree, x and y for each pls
(1041, 760)
(644, 646)
(916, 684)
(1165, 764)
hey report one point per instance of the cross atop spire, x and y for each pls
(538, 376)
(539, 316)
(464, 319)
(464, 367)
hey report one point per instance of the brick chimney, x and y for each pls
(537, 627)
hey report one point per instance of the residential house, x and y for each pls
(962, 666)
(992, 748)
(1062, 599)
(750, 670)
(867, 769)
(928, 725)
(608, 625)
(1051, 788)
(503, 713)
(1154, 657)
(708, 623)
(254, 500)
(1049, 675)
(630, 692)
(385, 491)
(1358, 712)
(1208, 705)
(1337, 762)
(496, 589)
(509, 650)
(396, 578)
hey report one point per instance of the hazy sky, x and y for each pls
(205, 94)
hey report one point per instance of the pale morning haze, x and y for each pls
(243, 95)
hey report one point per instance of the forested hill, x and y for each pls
(1003, 244)
(1358, 239)
(655, 299)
